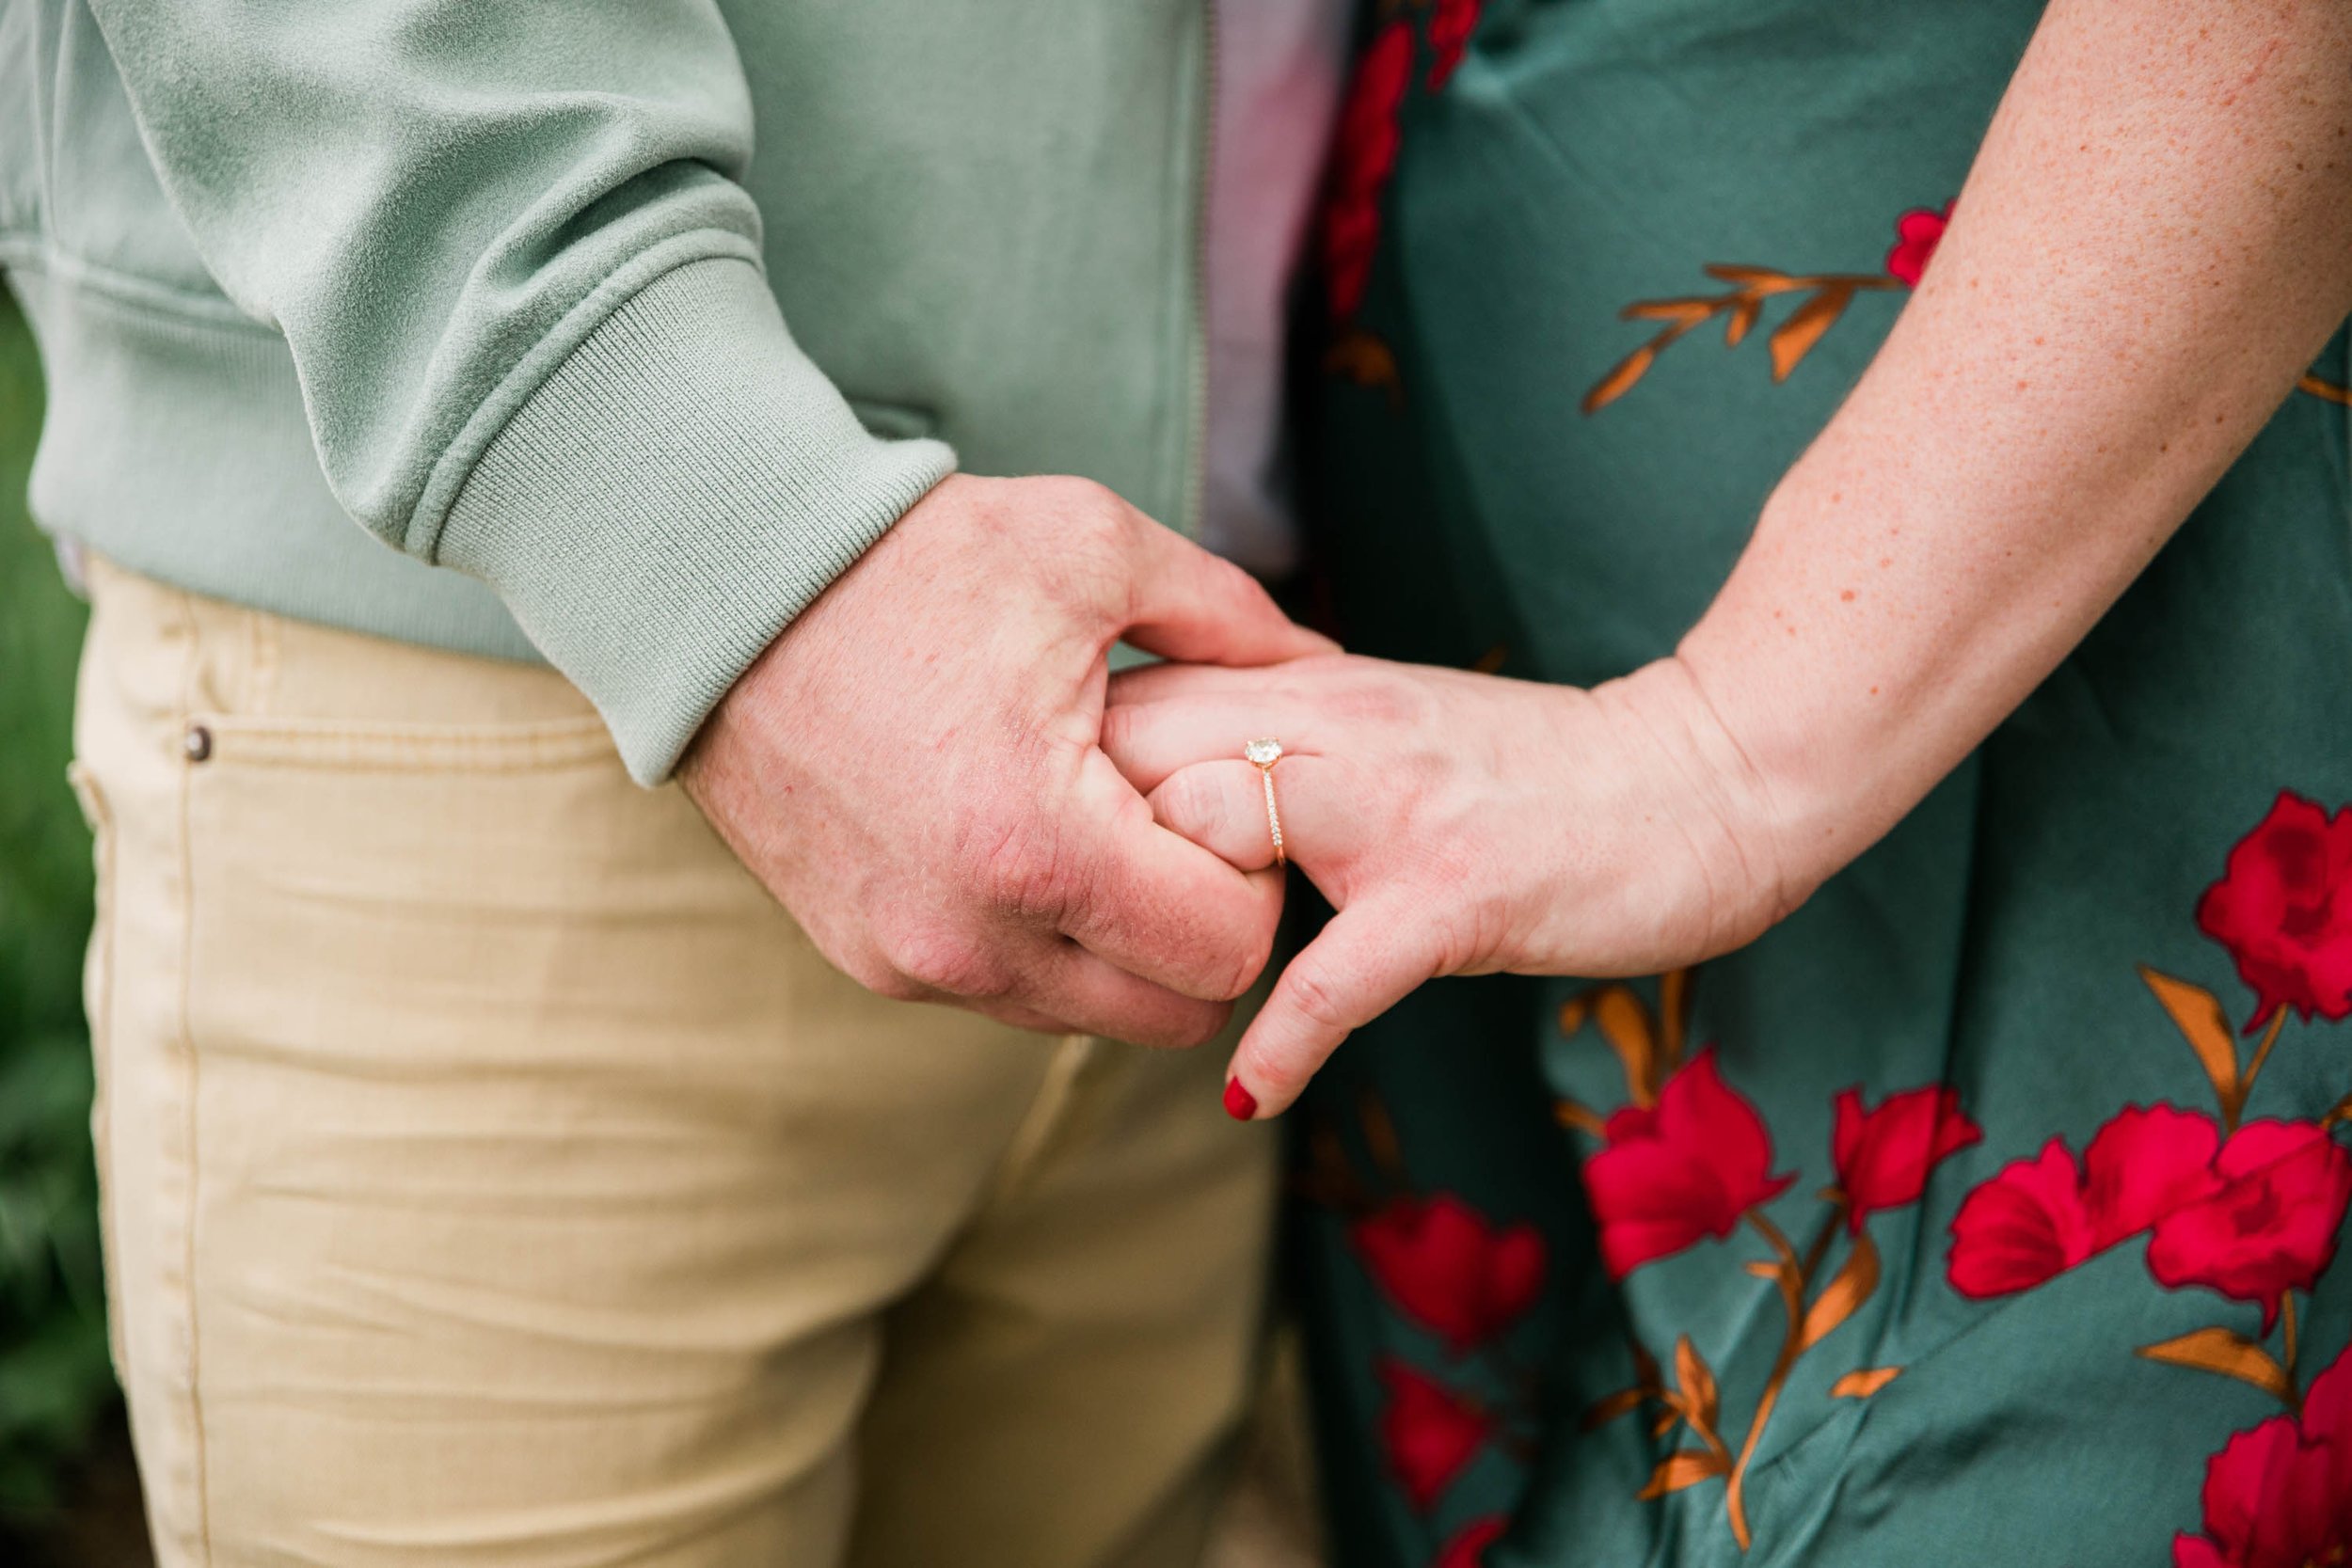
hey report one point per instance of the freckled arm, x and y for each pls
(2154, 242)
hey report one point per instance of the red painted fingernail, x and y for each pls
(1239, 1103)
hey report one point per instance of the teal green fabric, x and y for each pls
(1491, 1390)
(501, 283)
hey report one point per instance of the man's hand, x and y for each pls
(913, 768)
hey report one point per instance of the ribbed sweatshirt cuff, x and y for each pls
(680, 488)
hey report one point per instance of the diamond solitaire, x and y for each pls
(1265, 753)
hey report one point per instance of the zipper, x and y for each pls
(1196, 495)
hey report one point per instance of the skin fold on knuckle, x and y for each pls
(1192, 801)
(872, 968)
(1318, 996)
(944, 960)
(1010, 860)
(1157, 930)
(1123, 731)
(1460, 889)
(1197, 1028)
(1218, 964)
(1243, 960)
(1085, 561)
(1245, 595)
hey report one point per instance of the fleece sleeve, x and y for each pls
(508, 243)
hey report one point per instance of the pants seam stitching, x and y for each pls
(192, 660)
(1042, 1123)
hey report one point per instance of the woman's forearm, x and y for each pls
(2155, 240)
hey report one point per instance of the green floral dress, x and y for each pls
(1987, 1211)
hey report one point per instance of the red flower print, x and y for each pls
(1449, 1269)
(2144, 1164)
(1917, 235)
(2037, 1218)
(1690, 1166)
(2023, 1227)
(1884, 1156)
(1450, 28)
(1429, 1431)
(2280, 1494)
(1363, 155)
(2283, 909)
(1468, 1549)
(2270, 1224)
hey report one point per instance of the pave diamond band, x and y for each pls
(1264, 755)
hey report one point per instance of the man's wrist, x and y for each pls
(678, 490)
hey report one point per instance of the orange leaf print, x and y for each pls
(1862, 1385)
(2228, 1353)
(1742, 317)
(1365, 361)
(1620, 381)
(1769, 281)
(1843, 1294)
(1673, 1014)
(2326, 390)
(1679, 1470)
(1610, 1406)
(1632, 1033)
(1793, 339)
(1697, 1382)
(1688, 311)
(1574, 1011)
(1578, 1117)
(2197, 1013)
(1380, 1137)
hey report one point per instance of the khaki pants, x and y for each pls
(494, 1173)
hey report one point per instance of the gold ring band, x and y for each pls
(1264, 755)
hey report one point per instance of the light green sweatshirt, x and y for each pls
(499, 279)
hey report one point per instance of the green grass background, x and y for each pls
(54, 1379)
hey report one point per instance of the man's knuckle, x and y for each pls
(1243, 966)
(1022, 872)
(1089, 504)
(1096, 544)
(875, 971)
(891, 986)
(1195, 1027)
(935, 959)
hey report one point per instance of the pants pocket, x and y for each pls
(383, 747)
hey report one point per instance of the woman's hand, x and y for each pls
(1460, 824)
(2043, 416)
